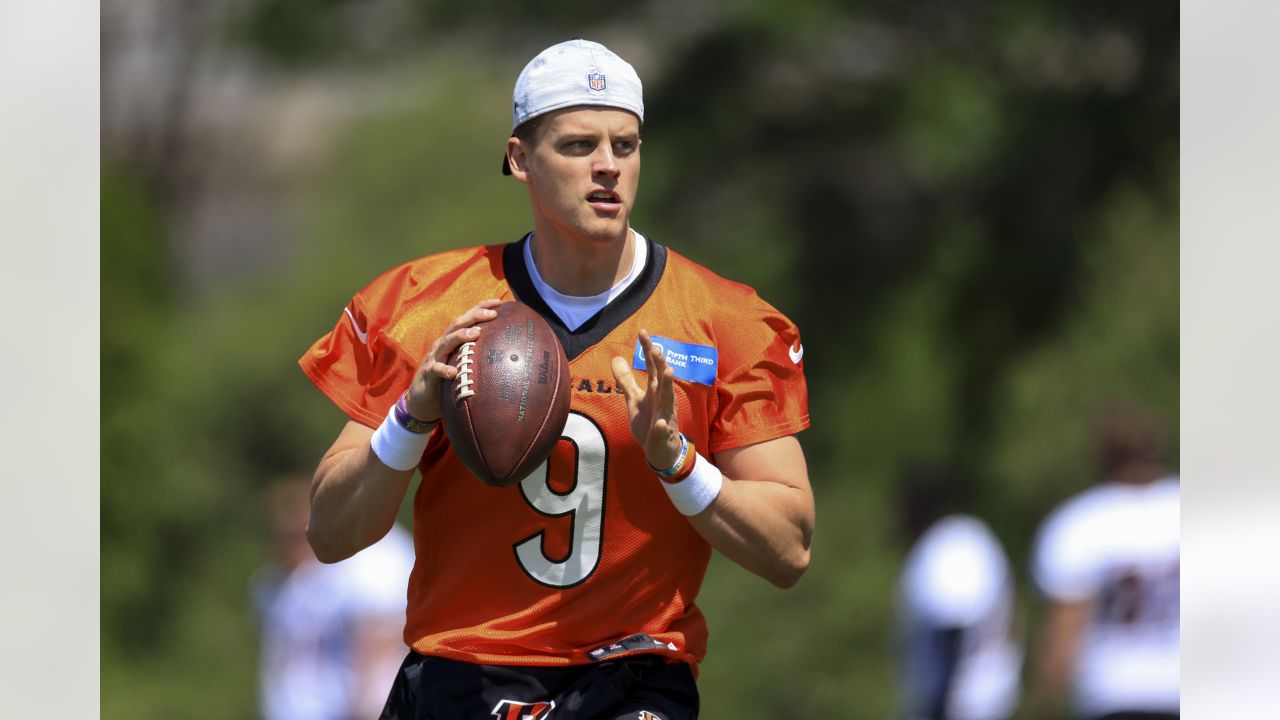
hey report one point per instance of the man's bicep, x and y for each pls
(353, 435)
(764, 516)
(780, 460)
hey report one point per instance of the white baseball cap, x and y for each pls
(572, 73)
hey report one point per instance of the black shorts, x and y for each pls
(432, 688)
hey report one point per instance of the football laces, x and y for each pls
(462, 388)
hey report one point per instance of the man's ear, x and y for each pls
(518, 159)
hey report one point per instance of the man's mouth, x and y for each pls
(604, 199)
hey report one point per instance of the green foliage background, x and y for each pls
(970, 209)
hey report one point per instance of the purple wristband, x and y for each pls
(409, 422)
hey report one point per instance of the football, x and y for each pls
(506, 408)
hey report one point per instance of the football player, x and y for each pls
(330, 634)
(961, 657)
(1107, 562)
(574, 594)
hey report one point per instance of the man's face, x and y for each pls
(583, 170)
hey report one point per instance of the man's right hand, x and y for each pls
(425, 390)
(354, 495)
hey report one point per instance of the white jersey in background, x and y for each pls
(955, 597)
(1116, 545)
(310, 617)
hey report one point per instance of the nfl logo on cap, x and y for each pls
(553, 81)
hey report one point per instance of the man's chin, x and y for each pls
(611, 231)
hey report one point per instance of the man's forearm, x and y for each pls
(763, 517)
(354, 497)
(764, 526)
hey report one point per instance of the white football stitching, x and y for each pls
(463, 385)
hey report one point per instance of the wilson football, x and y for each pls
(505, 410)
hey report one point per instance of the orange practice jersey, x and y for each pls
(590, 549)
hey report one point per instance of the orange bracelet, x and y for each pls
(685, 466)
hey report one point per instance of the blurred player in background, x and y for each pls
(960, 657)
(331, 634)
(1107, 562)
(572, 595)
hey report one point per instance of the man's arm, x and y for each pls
(763, 516)
(1064, 625)
(354, 494)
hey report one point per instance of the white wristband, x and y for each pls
(395, 446)
(693, 494)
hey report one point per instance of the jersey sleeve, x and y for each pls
(762, 393)
(958, 575)
(1065, 562)
(357, 364)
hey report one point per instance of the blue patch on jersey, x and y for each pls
(694, 363)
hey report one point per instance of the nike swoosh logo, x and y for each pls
(796, 353)
(364, 337)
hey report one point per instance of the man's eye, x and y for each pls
(579, 146)
(625, 147)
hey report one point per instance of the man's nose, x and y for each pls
(605, 162)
